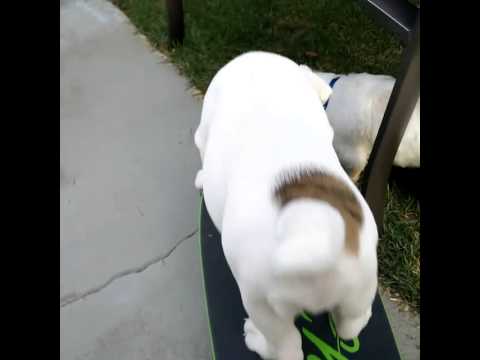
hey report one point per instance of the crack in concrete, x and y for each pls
(74, 297)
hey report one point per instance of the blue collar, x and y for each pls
(332, 84)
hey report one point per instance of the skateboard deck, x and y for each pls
(226, 316)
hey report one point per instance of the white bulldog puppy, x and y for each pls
(296, 232)
(355, 111)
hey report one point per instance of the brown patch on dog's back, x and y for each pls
(315, 184)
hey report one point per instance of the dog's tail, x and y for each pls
(315, 248)
(297, 259)
(321, 87)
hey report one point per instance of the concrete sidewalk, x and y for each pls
(130, 285)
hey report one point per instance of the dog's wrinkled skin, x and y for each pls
(276, 191)
(355, 111)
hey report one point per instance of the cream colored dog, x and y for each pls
(296, 232)
(355, 111)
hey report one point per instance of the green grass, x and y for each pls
(329, 35)
(399, 247)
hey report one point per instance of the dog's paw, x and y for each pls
(255, 340)
(199, 180)
(350, 328)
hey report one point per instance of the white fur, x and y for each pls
(261, 116)
(355, 111)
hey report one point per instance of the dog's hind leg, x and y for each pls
(269, 335)
(353, 314)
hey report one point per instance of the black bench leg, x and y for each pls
(399, 109)
(175, 21)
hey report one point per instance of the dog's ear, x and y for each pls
(321, 87)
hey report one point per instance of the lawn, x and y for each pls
(328, 35)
